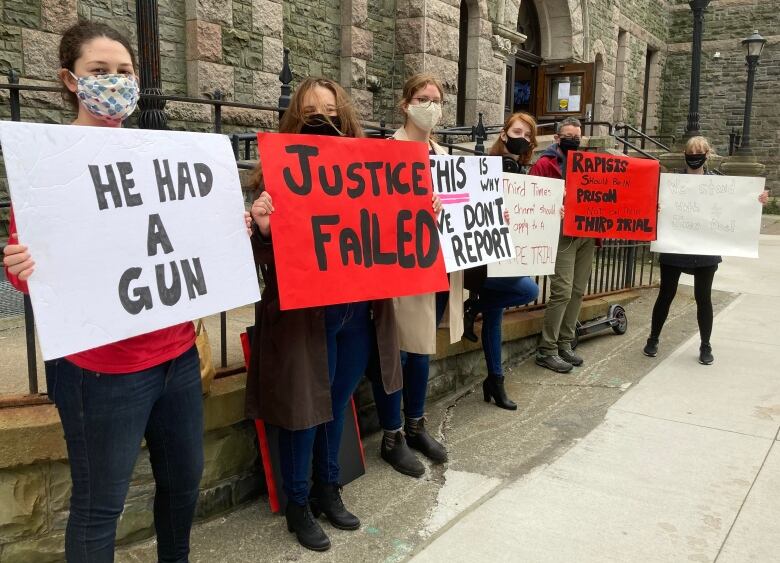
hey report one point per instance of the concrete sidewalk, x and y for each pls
(685, 466)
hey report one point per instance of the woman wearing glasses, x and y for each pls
(418, 316)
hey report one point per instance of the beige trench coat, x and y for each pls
(416, 314)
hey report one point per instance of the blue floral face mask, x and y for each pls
(110, 97)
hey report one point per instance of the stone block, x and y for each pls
(22, 13)
(267, 18)
(41, 99)
(273, 54)
(22, 503)
(266, 88)
(215, 11)
(358, 15)
(441, 40)
(357, 73)
(409, 35)
(445, 13)
(59, 486)
(248, 487)
(445, 70)
(251, 118)
(204, 41)
(40, 54)
(363, 101)
(214, 500)
(47, 549)
(205, 77)
(137, 520)
(181, 111)
(58, 15)
(229, 451)
(410, 8)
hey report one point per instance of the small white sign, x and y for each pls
(534, 205)
(131, 230)
(710, 215)
(471, 223)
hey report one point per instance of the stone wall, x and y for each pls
(724, 79)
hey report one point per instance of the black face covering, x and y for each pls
(568, 144)
(695, 161)
(517, 145)
(319, 124)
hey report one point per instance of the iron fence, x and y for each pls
(618, 265)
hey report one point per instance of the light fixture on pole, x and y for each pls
(753, 47)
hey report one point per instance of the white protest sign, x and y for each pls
(131, 230)
(711, 215)
(471, 224)
(534, 205)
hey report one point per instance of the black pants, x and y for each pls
(702, 291)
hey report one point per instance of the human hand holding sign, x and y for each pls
(17, 259)
(261, 213)
(764, 197)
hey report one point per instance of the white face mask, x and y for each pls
(426, 118)
(109, 97)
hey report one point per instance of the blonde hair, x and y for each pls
(414, 84)
(698, 145)
(499, 146)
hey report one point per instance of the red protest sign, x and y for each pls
(611, 196)
(353, 219)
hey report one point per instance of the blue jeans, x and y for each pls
(415, 390)
(105, 417)
(496, 295)
(350, 334)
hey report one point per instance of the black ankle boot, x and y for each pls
(493, 388)
(469, 316)
(396, 452)
(325, 498)
(301, 521)
(705, 354)
(418, 438)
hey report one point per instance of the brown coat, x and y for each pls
(287, 383)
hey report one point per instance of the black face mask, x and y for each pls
(318, 124)
(517, 145)
(568, 144)
(695, 161)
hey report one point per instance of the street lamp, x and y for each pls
(152, 114)
(697, 7)
(753, 47)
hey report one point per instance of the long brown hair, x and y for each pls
(295, 118)
(414, 84)
(499, 146)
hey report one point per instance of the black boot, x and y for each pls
(705, 354)
(395, 452)
(469, 316)
(493, 387)
(301, 521)
(418, 438)
(325, 498)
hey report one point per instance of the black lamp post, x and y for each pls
(753, 47)
(698, 7)
(152, 114)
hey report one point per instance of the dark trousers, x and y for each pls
(105, 417)
(702, 291)
(416, 368)
(350, 335)
(496, 295)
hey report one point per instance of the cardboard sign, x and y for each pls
(534, 205)
(609, 196)
(711, 215)
(471, 224)
(353, 219)
(131, 230)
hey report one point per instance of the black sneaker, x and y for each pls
(555, 363)
(705, 355)
(651, 348)
(570, 357)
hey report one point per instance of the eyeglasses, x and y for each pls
(426, 102)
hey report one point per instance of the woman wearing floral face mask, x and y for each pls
(146, 387)
(702, 268)
(418, 316)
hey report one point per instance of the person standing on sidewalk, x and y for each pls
(701, 267)
(417, 316)
(490, 296)
(572, 265)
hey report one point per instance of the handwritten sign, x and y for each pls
(534, 205)
(609, 196)
(353, 219)
(131, 230)
(471, 224)
(711, 215)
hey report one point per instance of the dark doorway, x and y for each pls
(522, 80)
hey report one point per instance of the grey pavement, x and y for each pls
(685, 466)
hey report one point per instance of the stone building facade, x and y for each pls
(612, 60)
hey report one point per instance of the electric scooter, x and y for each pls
(616, 319)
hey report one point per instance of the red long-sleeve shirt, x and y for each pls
(125, 356)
